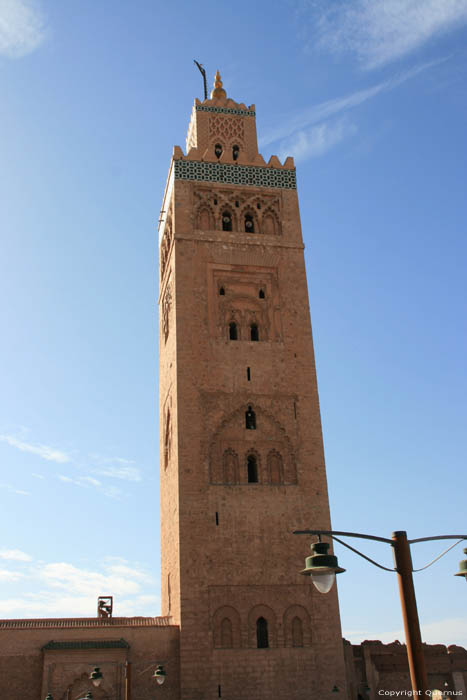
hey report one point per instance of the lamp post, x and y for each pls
(323, 567)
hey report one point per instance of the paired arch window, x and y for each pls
(262, 636)
(250, 419)
(226, 221)
(252, 469)
(249, 224)
(254, 332)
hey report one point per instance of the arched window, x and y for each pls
(262, 640)
(226, 633)
(297, 632)
(261, 294)
(250, 419)
(222, 291)
(218, 150)
(254, 333)
(226, 221)
(230, 467)
(275, 468)
(233, 335)
(235, 152)
(249, 224)
(252, 467)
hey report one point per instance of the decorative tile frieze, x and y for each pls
(226, 110)
(253, 175)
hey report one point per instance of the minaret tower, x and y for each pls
(242, 461)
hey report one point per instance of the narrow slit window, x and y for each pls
(254, 332)
(262, 637)
(226, 221)
(219, 691)
(252, 466)
(261, 294)
(250, 419)
(249, 224)
(222, 291)
(235, 152)
(218, 150)
(248, 374)
(217, 518)
(233, 333)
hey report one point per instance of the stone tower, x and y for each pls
(242, 461)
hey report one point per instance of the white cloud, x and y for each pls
(381, 31)
(14, 555)
(22, 27)
(6, 575)
(315, 141)
(43, 451)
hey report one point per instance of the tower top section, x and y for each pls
(224, 131)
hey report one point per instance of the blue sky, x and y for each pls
(369, 97)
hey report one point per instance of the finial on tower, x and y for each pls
(218, 89)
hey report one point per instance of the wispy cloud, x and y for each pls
(22, 27)
(315, 141)
(14, 555)
(125, 473)
(13, 489)
(49, 453)
(378, 32)
(297, 135)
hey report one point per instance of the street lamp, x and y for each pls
(159, 675)
(322, 568)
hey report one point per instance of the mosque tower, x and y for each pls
(242, 462)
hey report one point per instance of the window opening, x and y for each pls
(215, 201)
(236, 203)
(262, 638)
(254, 333)
(295, 410)
(226, 633)
(235, 152)
(250, 419)
(248, 374)
(219, 691)
(297, 632)
(222, 291)
(252, 466)
(261, 294)
(233, 335)
(226, 221)
(218, 150)
(258, 206)
(249, 224)
(217, 518)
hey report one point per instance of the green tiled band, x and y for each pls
(253, 175)
(226, 110)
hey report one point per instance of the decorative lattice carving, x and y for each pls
(165, 246)
(166, 307)
(227, 128)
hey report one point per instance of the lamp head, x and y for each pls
(322, 567)
(463, 567)
(159, 674)
(96, 677)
